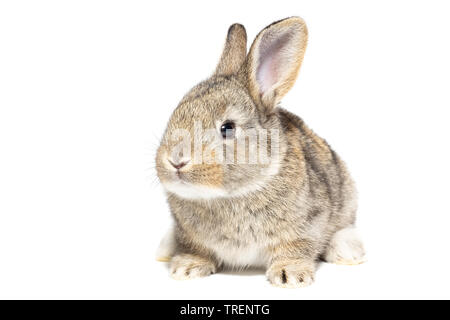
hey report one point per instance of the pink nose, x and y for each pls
(178, 165)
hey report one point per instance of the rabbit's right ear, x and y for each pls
(274, 61)
(234, 52)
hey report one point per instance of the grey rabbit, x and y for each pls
(284, 214)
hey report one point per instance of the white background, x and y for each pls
(86, 88)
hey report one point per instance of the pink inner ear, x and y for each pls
(270, 60)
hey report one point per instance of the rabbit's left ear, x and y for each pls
(234, 52)
(274, 61)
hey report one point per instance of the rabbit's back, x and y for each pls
(330, 190)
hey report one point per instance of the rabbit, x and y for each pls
(283, 215)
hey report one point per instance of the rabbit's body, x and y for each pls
(283, 215)
(240, 231)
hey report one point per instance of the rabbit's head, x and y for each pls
(225, 138)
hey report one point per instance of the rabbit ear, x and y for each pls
(235, 51)
(274, 60)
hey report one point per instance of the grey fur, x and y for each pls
(289, 221)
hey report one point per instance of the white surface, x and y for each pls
(86, 89)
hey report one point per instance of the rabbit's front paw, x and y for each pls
(293, 274)
(187, 266)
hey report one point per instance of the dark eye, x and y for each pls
(227, 129)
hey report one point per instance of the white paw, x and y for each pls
(346, 248)
(291, 275)
(183, 267)
(166, 248)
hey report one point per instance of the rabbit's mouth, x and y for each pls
(181, 178)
